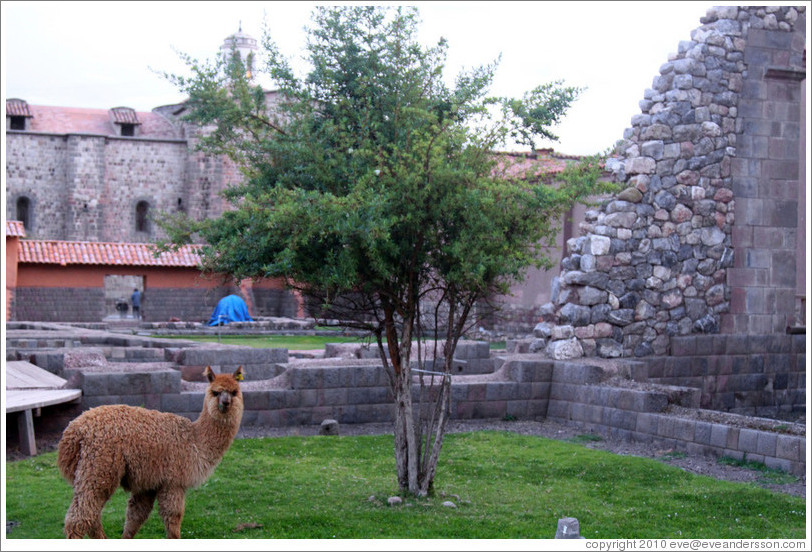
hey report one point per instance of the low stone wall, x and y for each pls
(598, 395)
(71, 304)
(588, 396)
(746, 374)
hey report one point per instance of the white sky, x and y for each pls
(103, 54)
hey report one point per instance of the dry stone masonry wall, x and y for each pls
(653, 262)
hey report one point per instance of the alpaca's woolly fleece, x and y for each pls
(154, 455)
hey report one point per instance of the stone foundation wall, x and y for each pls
(570, 392)
(745, 374)
(59, 304)
(162, 304)
(275, 302)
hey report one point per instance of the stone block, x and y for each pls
(305, 378)
(537, 408)
(472, 350)
(255, 400)
(748, 441)
(703, 432)
(165, 381)
(94, 384)
(335, 397)
(766, 443)
(565, 349)
(519, 409)
(559, 410)
(647, 423)
(368, 395)
(791, 447)
(779, 464)
(496, 391)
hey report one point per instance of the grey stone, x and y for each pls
(543, 329)
(621, 317)
(589, 296)
(568, 528)
(329, 427)
(609, 348)
(565, 349)
(577, 315)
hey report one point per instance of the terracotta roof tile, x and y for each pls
(543, 162)
(17, 108)
(104, 253)
(79, 120)
(125, 115)
(15, 228)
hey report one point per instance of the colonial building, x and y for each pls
(98, 176)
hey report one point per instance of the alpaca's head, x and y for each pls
(224, 397)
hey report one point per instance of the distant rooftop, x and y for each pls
(105, 253)
(80, 120)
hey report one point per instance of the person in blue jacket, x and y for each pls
(135, 298)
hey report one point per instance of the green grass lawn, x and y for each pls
(291, 342)
(504, 486)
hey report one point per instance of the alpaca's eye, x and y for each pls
(215, 393)
(233, 393)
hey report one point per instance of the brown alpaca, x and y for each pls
(153, 455)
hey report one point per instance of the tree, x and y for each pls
(372, 187)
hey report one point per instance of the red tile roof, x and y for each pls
(17, 108)
(103, 253)
(15, 228)
(542, 163)
(79, 120)
(125, 115)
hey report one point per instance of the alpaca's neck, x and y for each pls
(212, 437)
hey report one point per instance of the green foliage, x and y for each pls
(373, 188)
(371, 175)
(294, 487)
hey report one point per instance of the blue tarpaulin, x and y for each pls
(230, 308)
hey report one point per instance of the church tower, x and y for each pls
(241, 44)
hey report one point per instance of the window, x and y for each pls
(16, 123)
(24, 211)
(142, 217)
(127, 129)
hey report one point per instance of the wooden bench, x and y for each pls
(29, 388)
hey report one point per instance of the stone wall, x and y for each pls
(274, 302)
(141, 170)
(703, 235)
(595, 395)
(753, 375)
(522, 389)
(194, 304)
(72, 304)
(40, 177)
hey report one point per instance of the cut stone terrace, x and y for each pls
(665, 402)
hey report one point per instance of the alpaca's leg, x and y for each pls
(171, 506)
(94, 484)
(138, 509)
(84, 514)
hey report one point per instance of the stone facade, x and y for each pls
(85, 187)
(704, 235)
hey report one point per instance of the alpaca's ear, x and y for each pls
(209, 374)
(239, 375)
